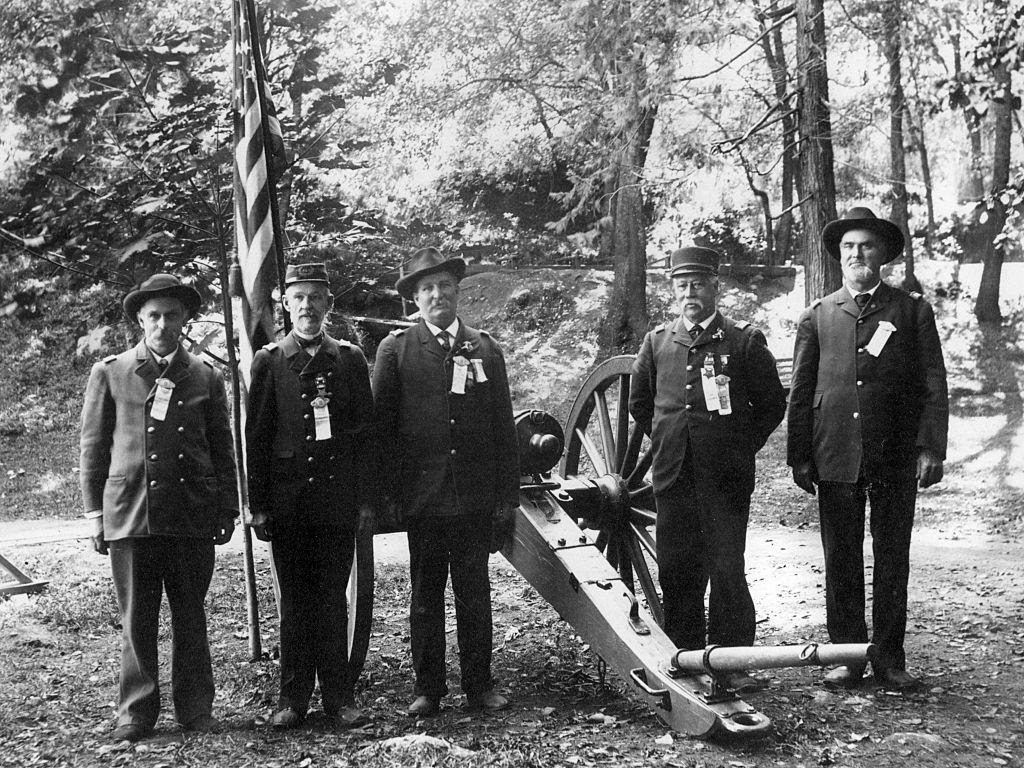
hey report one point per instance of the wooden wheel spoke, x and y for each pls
(604, 423)
(622, 437)
(592, 453)
(634, 442)
(642, 496)
(643, 575)
(642, 517)
(642, 465)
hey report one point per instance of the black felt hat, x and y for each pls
(862, 218)
(159, 285)
(427, 261)
(694, 258)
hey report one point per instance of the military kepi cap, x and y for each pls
(694, 258)
(161, 285)
(863, 218)
(314, 272)
(427, 261)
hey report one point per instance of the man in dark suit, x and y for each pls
(445, 415)
(307, 445)
(158, 481)
(868, 416)
(707, 389)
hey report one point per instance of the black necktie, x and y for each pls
(862, 299)
(162, 364)
(695, 332)
(446, 345)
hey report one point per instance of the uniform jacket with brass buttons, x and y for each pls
(293, 477)
(431, 436)
(851, 412)
(170, 477)
(667, 397)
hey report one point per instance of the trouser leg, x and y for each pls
(472, 589)
(841, 511)
(138, 584)
(295, 579)
(682, 572)
(428, 572)
(332, 552)
(892, 519)
(189, 568)
(731, 616)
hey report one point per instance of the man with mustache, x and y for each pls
(158, 481)
(309, 462)
(868, 417)
(707, 390)
(445, 416)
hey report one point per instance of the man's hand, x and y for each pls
(367, 520)
(223, 529)
(805, 476)
(502, 525)
(261, 526)
(929, 468)
(99, 543)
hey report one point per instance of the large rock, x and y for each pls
(97, 341)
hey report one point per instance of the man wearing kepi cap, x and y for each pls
(158, 481)
(309, 461)
(445, 415)
(868, 416)
(707, 390)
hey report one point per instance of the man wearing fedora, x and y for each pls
(307, 448)
(445, 416)
(706, 389)
(157, 472)
(868, 416)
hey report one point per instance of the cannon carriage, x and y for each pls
(584, 540)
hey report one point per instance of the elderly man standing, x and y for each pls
(707, 389)
(444, 409)
(158, 480)
(868, 417)
(307, 436)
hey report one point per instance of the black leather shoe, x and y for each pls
(203, 724)
(896, 680)
(131, 732)
(490, 701)
(347, 717)
(424, 706)
(287, 718)
(844, 677)
(741, 682)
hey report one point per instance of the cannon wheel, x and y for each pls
(605, 445)
(359, 595)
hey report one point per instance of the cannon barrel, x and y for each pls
(717, 659)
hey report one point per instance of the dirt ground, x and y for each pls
(59, 651)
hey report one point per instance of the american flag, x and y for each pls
(259, 158)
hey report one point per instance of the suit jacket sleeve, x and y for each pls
(386, 404)
(507, 465)
(221, 441)
(97, 436)
(806, 352)
(260, 428)
(766, 393)
(642, 386)
(934, 425)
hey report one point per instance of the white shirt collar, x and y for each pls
(704, 324)
(166, 358)
(870, 292)
(452, 329)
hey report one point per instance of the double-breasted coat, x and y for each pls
(169, 477)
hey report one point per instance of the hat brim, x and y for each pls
(834, 231)
(406, 285)
(188, 296)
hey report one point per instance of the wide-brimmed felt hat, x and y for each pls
(860, 217)
(158, 285)
(427, 261)
(694, 258)
(313, 272)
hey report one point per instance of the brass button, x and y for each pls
(181, 403)
(305, 415)
(860, 383)
(860, 351)
(311, 480)
(152, 457)
(309, 438)
(689, 407)
(151, 430)
(689, 386)
(310, 459)
(452, 421)
(689, 367)
(856, 415)
(181, 429)
(453, 451)
(305, 396)
(181, 456)
(152, 483)
(181, 480)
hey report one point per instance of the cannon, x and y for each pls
(584, 540)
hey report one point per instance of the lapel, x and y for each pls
(180, 368)
(296, 356)
(845, 302)
(879, 301)
(145, 367)
(680, 335)
(428, 344)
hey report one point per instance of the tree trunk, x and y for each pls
(918, 143)
(821, 272)
(973, 188)
(892, 24)
(986, 307)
